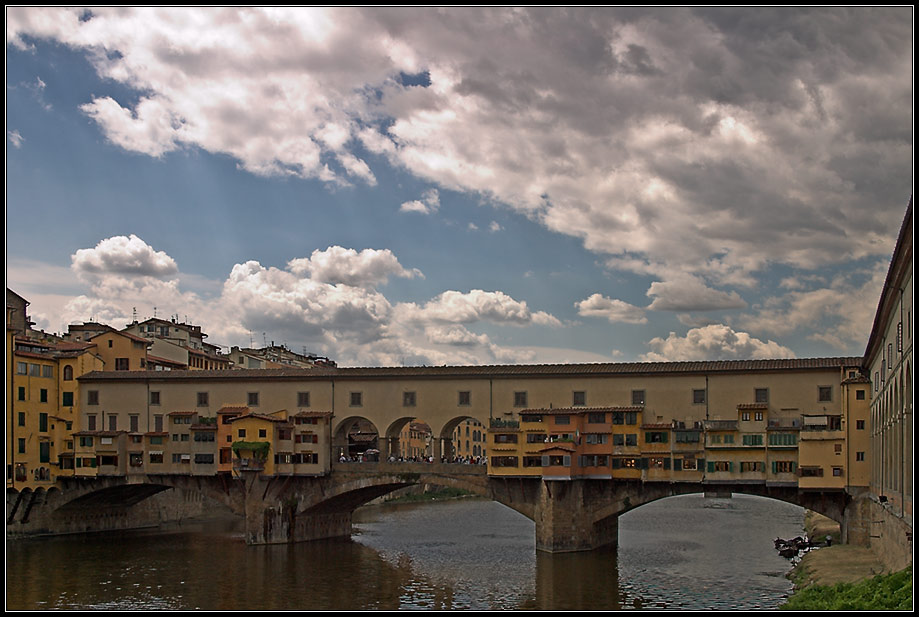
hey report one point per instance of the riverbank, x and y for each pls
(846, 574)
(839, 563)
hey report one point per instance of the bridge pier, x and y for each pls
(282, 524)
(565, 522)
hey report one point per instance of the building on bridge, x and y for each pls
(786, 423)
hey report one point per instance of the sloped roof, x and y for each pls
(510, 371)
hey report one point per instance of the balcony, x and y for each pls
(784, 423)
(248, 464)
(721, 425)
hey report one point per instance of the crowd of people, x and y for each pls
(453, 460)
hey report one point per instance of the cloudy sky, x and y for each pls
(462, 185)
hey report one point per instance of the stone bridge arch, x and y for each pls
(113, 503)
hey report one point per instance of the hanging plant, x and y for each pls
(259, 449)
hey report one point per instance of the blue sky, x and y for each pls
(468, 185)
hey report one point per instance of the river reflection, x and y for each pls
(683, 552)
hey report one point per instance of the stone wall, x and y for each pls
(875, 525)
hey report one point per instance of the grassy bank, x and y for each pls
(883, 592)
(844, 576)
(438, 494)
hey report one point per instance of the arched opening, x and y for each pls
(409, 439)
(464, 440)
(355, 438)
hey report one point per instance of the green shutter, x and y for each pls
(666, 463)
(678, 464)
(711, 467)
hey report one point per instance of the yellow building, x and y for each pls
(469, 440)
(121, 351)
(34, 389)
(415, 441)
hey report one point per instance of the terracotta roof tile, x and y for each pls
(509, 371)
(233, 409)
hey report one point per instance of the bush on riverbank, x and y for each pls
(883, 592)
(432, 495)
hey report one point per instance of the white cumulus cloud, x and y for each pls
(714, 342)
(615, 311)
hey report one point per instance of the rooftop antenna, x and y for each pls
(134, 313)
(264, 340)
(154, 312)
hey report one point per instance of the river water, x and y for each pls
(686, 552)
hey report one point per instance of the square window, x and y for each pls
(761, 395)
(303, 399)
(520, 399)
(638, 397)
(408, 399)
(263, 433)
(357, 399)
(698, 397)
(252, 399)
(154, 398)
(859, 395)
(860, 425)
(67, 399)
(203, 399)
(859, 456)
(824, 394)
(465, 398)
(579, 399)
(92, 397)
(241, 433)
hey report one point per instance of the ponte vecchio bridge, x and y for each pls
(569, 446)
